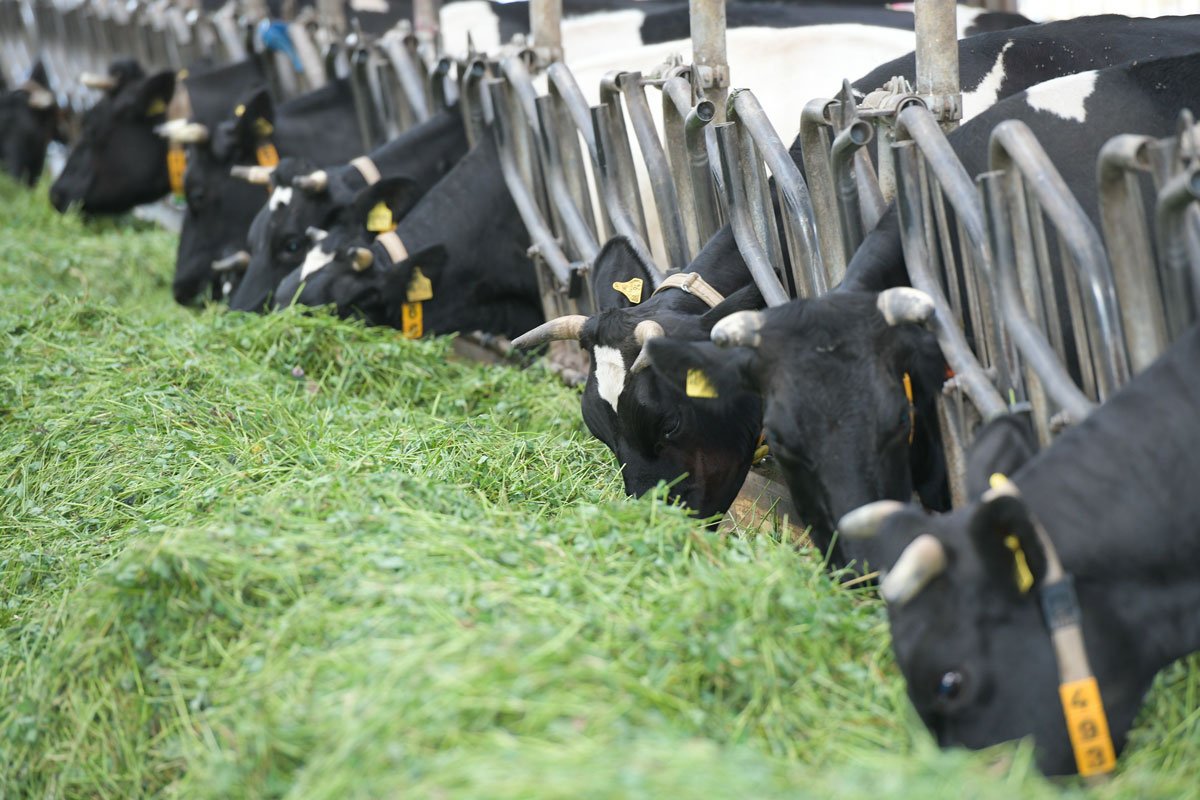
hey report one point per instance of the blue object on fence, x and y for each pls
(274, 36)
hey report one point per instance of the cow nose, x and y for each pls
(58, 199)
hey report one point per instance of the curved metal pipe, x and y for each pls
(846, 144)
(1178, 273)
(818, 171)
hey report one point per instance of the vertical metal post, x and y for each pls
(545, 25)
(937, 60)
(711, 77)
(332, 16)
(426, 23)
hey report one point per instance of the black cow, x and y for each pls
(831, 369)
(119, 161)
(304, 198)
(1115, 497)
(634, 431)
(320, 125)
(28, 121)
(465, 237)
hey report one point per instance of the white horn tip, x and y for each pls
(259, 176)
(864, 521)
(921, 562)
(739, 328)
(904, 304)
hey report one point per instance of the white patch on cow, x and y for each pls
(226, 289)
(475, 17)
(610, 373)
(372, 6)
(983, 96)
(1064, 97)
(280, 197)
(316, 258)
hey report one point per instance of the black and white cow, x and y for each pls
(28, 121)
(987, 73)
(320, 125)
(459, 252)
(303, 197)
(119, 161)
(1114, 496)
(831, 369)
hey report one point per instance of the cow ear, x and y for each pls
(154, 94)
(701, 370)
(255, 117)
(380, 206)
(620, 278)
(1007, 542)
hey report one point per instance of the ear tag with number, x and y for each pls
(412, 321)
(379, 219)
(419, 287)
(632, 289)
(157, 106)
(1087, 725)
(268, 156)
(176, 164)
(241, 109)
(263, 128)
(1024, 575)
(698, 384)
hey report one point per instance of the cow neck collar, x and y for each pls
(1079, 693)
(691, 283)
(367, 169)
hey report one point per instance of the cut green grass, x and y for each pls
(291, 556)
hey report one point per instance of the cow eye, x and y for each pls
(950, 686)
(672, 427)
(293, 245)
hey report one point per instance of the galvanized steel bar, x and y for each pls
(937, 59)
(1123, 217)
(711, 75)
(606, 175)
(408, 75)
(545, 26)
(1177, 272)
(799, 217)
(854, 136)
(619, 154)
(579, 233)
(1013, 146)
(818, 171)
(684, 125)
(744, 231)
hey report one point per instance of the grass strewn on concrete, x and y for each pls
(290, 556)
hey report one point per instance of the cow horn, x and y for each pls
(555, 330)
(259, 176)
(740, 328)
(362, 259)
(646, 330)
(183, 132)
(315, 234)
(94, 81)
(864, 521)
(922, 561)
(233, 263)
(40, 99)
(904, 304)
(313, 182)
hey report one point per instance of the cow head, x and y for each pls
(302, 197)
(968, 633)
(837, 416)
(346, 267)
(28, 121)
(220, 207)
(657, 433)
(119, 161)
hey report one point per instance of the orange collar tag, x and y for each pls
(268, 156)
(1087, 726)
(912, 417)
(176, 164)
(412, 321)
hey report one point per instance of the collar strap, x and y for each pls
(366, 167)
(1079, 693)
(693, 284)
(394, 247)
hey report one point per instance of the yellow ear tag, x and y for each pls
(698, 384)
(632, 289)
(181, 75)
(156, 107)
(268, 156)
(241, 109)
(1087, 725)
(379, 219)
(176, 164)
(1024, 575)
(412, 320)
(263, 128)
(419, 287)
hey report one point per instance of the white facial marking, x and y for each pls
(610, 373)
(226, 288)
(1064, 97)
(983, 96)
(316, 257)
(280, 197)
